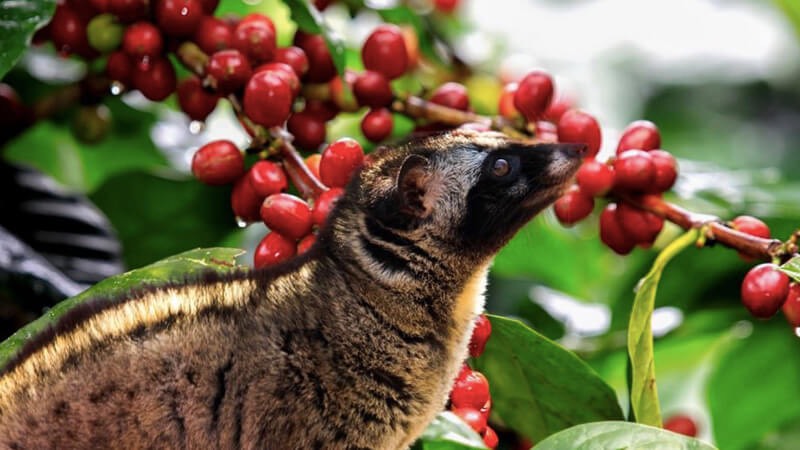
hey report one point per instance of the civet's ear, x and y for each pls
(414, 186)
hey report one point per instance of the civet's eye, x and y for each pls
(501, 167)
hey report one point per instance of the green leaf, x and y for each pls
(754, 387)
(539, 387)
(643, 392)
(51, 147)
(308, 19)
(172, 268)
(448, 432)
(792, 268)
(157, 216)
(792, 10)
(19, 19)
(619, 435)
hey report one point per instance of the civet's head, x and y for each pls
(463, 191)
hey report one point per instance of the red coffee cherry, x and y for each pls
(595, 178)
(324, 204)
(634, 171)
(213, 35)
(179, 18)
(128, 11)
(218, 162)
(267, 99)
(320, 64)
(452, 95)
(641, 227)
(578, 126)
(287, 214)
(267, 178)
(412, 45)
(68, 32)
(480, 334)
(246, 204)
(119, 67)
(764, 290)
(377, 124)
(470, 390)
(273, 249)
(308, 130)
(372, 89)
(157, 80)
(681, 424)
(285, 71)
(384, 51)
(324, 110)
(255, 38)
(101, 6)
(195, 101)
(505, 105)
(339, 161)
(209, 6)
(229, 70)
(573, 206)
(534, 93)
(612, 234)
(752, 226)
(446, 6)
(666, 170)
(791, 306)
(473, 418)
(639, 135)
(490, 438)
(560, 104)
(143, 40)
(312, 161)
(295, 57)
(305, 244)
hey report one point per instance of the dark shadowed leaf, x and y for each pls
(643, 392)
(538, 387)
(308, 19)
(157, 216)
(619, 435)
(448, 432)
(19, 19)
(172, 268)
(64, 227)
(754, 388)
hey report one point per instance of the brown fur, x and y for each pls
(353, 346)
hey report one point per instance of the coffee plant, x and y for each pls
(301, 111)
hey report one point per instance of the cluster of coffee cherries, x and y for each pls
(470, 399)
(259, 193)
(639, 167)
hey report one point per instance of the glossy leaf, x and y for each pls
(792, 268)
(619, 435)
(156, 216)
(754, 387)
(19, 19)
(308, 19)
(448, 432)
(172, 268)
(643, 391)
(538, 387)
